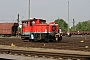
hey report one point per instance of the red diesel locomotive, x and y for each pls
(38, 29)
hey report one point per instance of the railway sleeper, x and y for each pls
(46, 54)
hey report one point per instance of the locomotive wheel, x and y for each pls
(23, 38)
(60, 38)
(31, 40)
(46, 40)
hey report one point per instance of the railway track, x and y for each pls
(72, 43)
(46, 54)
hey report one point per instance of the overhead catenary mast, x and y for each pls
(29, 9)
(74, 29)
(68, 16)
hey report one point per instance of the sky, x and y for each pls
(50, 10)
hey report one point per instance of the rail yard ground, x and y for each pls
(79, 44)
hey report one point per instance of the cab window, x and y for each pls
(32, 22)
(25, 24)
(42, 22)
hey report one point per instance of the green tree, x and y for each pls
(62, 24)
(83, 26)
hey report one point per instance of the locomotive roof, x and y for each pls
(33, 19)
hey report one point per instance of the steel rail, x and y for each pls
(46, 54)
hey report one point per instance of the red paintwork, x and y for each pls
(39, 26)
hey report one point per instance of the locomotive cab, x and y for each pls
(38, 30)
